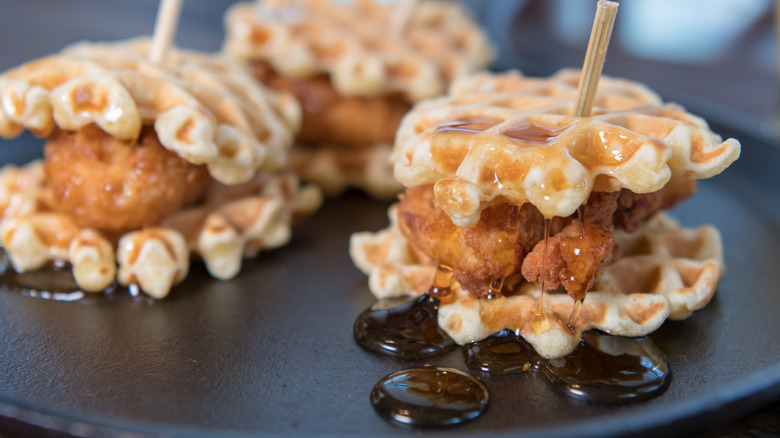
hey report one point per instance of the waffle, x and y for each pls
(334, 169)
(355, 47)
(510, 138)
(206, 109)
(233, 222)
(665, 271)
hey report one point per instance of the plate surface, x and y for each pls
(271, 351)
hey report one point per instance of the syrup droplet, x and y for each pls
(610, 369)
(575, 313)
(529, 132)
(429, 397)
(441, 282)
(502, 353)
(409, 330)
(496, 284)
(540, 323)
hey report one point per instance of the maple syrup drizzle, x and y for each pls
(530, 132)
(441, 282)
(501, 354)
(52, 282)
(477, 124)
(540, 323)
(429, 397)
(580, 212)
(494, 290)
(575, 313)
(409, 330)
(610, 369)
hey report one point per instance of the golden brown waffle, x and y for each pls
(510, 138)
(233, 222)
(207, 109)
(334, 169)
(354, 44)
(665, 271)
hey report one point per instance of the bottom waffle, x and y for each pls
(665, 271)
(231, 223)
(335, 169)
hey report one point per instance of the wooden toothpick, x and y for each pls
(164, 29)
(400, 16)
(594, 58)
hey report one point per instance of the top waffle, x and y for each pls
(511, 138)
(207, 109)
(355, 45)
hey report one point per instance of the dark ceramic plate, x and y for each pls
(271, 352)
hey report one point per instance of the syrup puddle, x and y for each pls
(602, 369)
(429, 397)
(409, 330)
(54, 282)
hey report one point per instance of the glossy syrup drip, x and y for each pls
(530, 132)
(502, 353)
(580, 212)
(540, 323)
(610, 369)
(429, 397)
(474, 125)
(575, 314)
(441, 282)
(409, 330)
(494, 290)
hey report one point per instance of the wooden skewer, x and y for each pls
(164, 29)
(594, 58)
(400, 16)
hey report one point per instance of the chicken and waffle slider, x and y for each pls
(354, 74)
(131, 144)
(500, 163)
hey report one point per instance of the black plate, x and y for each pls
(271, 351)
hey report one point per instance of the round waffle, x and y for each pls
(206, 109)
(510, 138)
(665, 271)
(233, 222)
(355, 45)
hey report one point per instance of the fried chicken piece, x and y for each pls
(575, 256)
(493, 247)
(633, 209)
(476, 254)
(507, 240)
(573, 260)
(329, 117)
(115, 186)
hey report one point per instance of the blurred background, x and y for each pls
(717, 57)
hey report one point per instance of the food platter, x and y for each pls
(271, 351)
